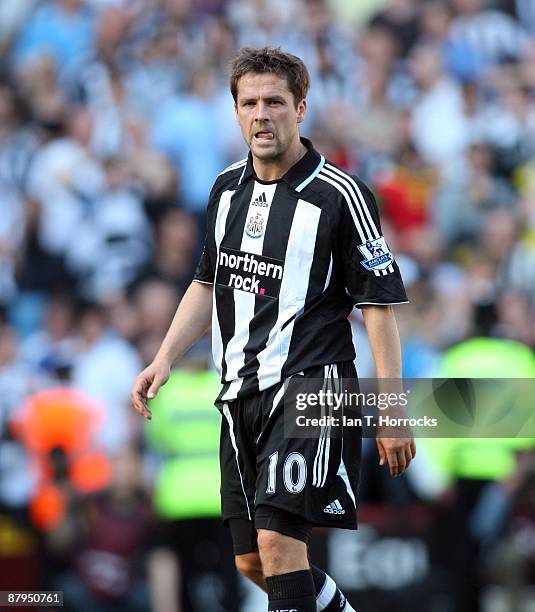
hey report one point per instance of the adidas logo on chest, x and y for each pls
(261, 201)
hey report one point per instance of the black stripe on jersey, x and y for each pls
(344, 186)
(356, 200)
(275, 242)
(360, 202)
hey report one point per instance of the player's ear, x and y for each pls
(301, 110)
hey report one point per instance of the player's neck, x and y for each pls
(275, 169)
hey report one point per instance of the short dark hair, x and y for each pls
(270, 60)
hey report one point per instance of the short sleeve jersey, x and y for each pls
(288, 260)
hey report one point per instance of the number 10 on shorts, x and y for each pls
(294, 472)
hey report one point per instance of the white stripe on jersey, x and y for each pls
(242, 173)
(221, 220)
(309, 179)
(293, 291)
(278, 396)
(234, 166)
(329, 272)
(244, 302)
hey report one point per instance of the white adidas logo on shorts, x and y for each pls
(334, 507)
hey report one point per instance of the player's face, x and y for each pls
(268, 115)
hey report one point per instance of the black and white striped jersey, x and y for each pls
(288, 259)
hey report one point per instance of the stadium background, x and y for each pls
(115, 117)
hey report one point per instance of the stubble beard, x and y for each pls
(274, 154)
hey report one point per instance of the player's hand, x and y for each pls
(397, 452)
(146, 386)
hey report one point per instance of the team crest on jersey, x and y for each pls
(376, 254)
(254, 227)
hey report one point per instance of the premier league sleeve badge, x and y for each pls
(376, 254)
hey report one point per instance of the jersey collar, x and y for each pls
(299, 175)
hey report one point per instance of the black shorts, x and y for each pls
(315, 479)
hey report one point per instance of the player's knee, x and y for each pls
(270, 545)
(281, 553)
(250, 566)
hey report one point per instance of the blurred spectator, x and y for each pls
(107, 538)
(504, 521)
(370, 121)
(124, 317)
(406, 191)
(461, 59)
(177, 240)
(381, 76)
(113, 240)
(17, 145)
(511, 122)
(105, 368)
(118, 129)
(62, 28)
(402, 19)
(17, 382)
(58, 428)
(439, 125)
(12, 15)
(186, 441)
(53, 348)
(155, 176)
(525, 9)
(156, 301)
(515, 318)
(261, 23)
(497, 37)
(421, 343)
(157, 75)
(463, 205)
(64, 179)
(189, 130)
(472, 462)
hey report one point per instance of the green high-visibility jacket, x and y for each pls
(482, 458)
(185, 431)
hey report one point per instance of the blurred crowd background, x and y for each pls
(115, 118)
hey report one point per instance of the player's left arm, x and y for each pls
(397, 451)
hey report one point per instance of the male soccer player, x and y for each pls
(293, 244)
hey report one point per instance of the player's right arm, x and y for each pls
(192, 318)
(194, 313)
(190, 322)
